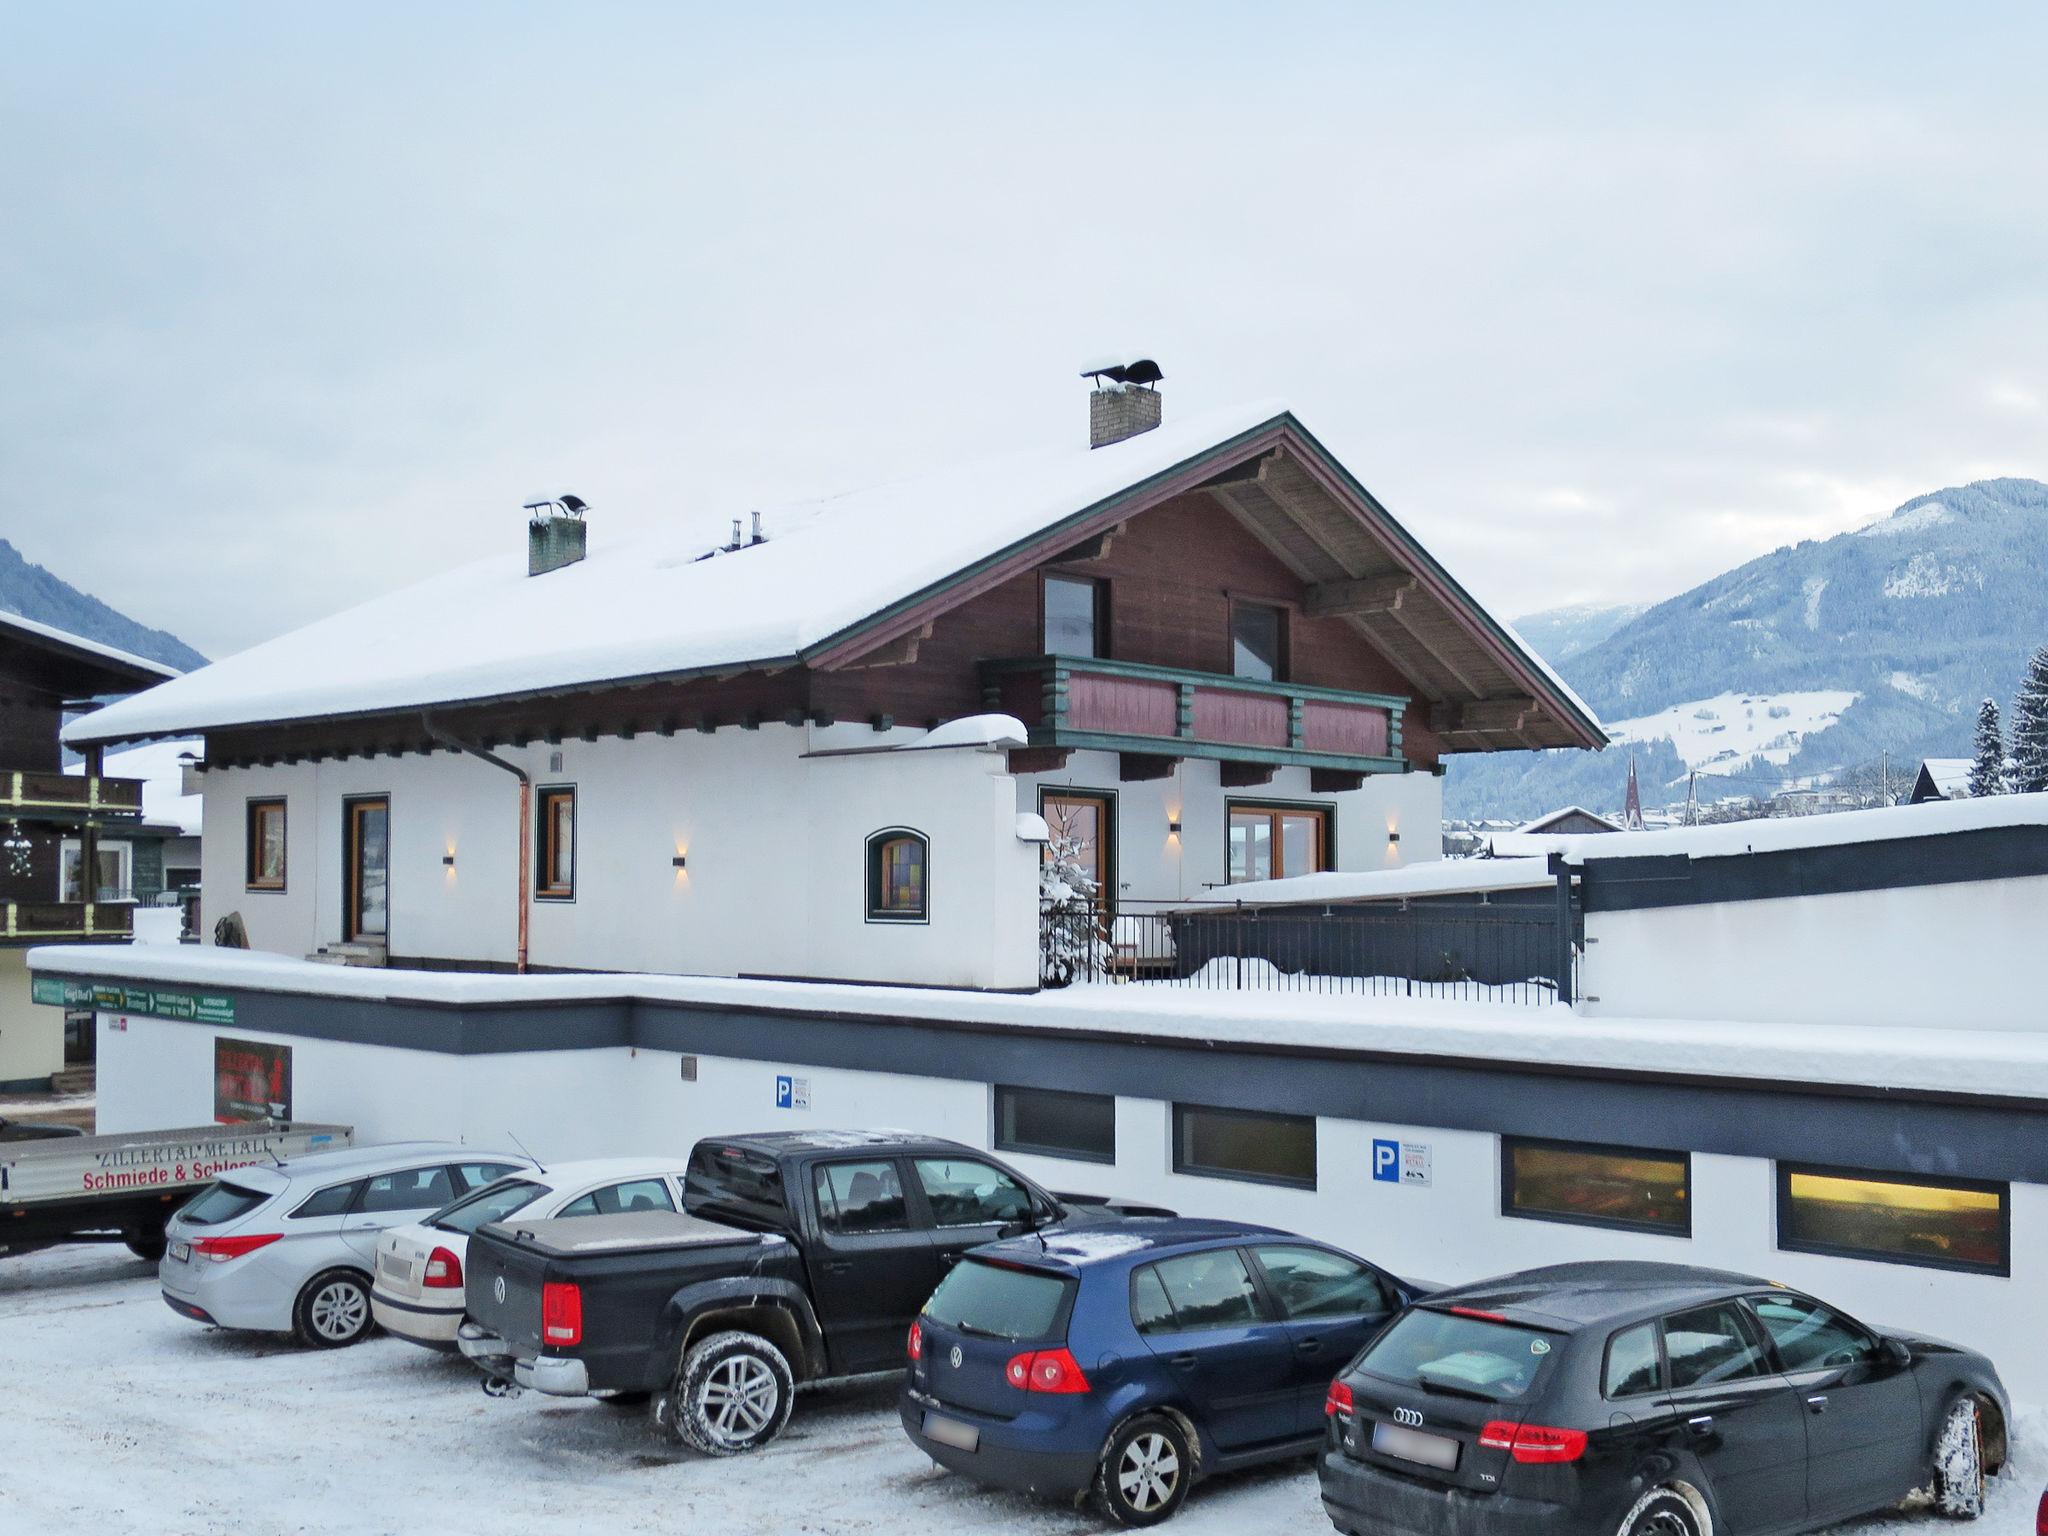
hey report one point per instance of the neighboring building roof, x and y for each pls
(1946, 778)
(1548, 823)
(103, 668)
(841, 576)
(1773, 834)
(164, 801)
(1430, 877)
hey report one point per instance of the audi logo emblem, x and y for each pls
(1407, 1416)
(498, 1288)
(955, 1357)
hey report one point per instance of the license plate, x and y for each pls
(1438, 1451)
(962, 1437)
(394, 1266)
(180, 1252)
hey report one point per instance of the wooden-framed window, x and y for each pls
(116, 880)
(1270, 841)
(1258, 641)
(1075, 614)
(265, 867)
(554, 874)
(1086, 819)
(1896, 1218)
(1596, 1186)
(899, 874)
(1251, 1145)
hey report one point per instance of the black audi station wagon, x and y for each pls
(1648, 1400)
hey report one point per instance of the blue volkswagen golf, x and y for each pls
(1132, 1359)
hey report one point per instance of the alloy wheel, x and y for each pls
(339, 1310)
(1147, 1472)
(739, 1399)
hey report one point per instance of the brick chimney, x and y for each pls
(1124, 402)
(556, 534)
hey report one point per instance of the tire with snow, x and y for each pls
(1958, 1473)
(1664, 1512)
(732, 1394)
(333, 1310)
(1145, 1471)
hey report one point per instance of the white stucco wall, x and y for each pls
(620, 1101)
(774, 839)
(1153, 865)
(1902, 956)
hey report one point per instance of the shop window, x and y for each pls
(1895, 1218)
(898, 874)
(1597, 1186)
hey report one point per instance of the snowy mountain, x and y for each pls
(1558, 634)
(34, 593)
(1806, 661)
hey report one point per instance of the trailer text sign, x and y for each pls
(251, 1081)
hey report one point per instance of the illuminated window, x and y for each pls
(554, 877)
(1596, 1186)
(898, 869)
(1896, 1218)
(266, 845)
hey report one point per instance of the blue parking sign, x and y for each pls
(1386, 1161)
(785, 1088)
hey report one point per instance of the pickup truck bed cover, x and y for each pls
(562, 1237)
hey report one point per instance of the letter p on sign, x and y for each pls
(1386, 1161)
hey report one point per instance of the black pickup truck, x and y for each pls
(801, 1255)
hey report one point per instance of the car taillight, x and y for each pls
(561, 1312)
(444, 1271)
(1338, 1401)
(916, 1340)
(1534, 1442)
(221, 1249)
(1483, 1316)
(2041, 1516)
(1045, 1370)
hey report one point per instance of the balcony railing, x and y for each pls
(36, 795)
(49, 921)
(1122, 706)
(1470, 951)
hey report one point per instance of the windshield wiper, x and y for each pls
(980, 1333)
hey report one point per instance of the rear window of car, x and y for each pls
(1000, 1301)
(734, 1177)
(494, 1203)
(1460, 1352)
(222, 1201)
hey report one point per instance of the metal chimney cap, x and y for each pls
(1141, 371)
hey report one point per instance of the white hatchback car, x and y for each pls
(288, 1248)
(418, 1293)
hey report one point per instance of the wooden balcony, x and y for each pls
(30, 794)
(57, 922)
(1072, 703)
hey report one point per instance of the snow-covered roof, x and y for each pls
(164, 801)
(64, 637)
(1991, 1061)
(1430, 877)
(654, 606)
(1950, 775)
(1543, 823)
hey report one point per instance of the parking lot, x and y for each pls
(121, 1417)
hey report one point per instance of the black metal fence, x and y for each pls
(1475, 950)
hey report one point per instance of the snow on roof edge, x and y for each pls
(80, 642)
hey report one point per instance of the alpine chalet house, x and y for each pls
(54, 826)
(830, 748)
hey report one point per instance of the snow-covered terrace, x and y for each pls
(2005, 1063)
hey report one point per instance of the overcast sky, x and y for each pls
(297, 305)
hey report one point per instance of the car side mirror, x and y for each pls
(1896, 1351)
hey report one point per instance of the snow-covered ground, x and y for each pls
(1734, 730)
(116, 1416)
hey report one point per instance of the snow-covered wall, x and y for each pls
(774, 842)
(1926, 956)
(626, 1101)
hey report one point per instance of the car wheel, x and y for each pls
(732, 1394)
(1145, 1471)
(1664, 1512)
(1958, 1477)
(333, 1310)
(147, 1245)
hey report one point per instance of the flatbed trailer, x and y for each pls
(68, 1189)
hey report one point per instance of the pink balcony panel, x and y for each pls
(1249, 719)
(1352, 729)
(1122, 706)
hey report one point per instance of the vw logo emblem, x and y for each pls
(498, 1288)
(1407, 1416)
(955, 1357)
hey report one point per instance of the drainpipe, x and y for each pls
(456, 743)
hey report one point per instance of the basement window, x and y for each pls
(898, 868)
(1245, 1144)
(266, 845)
(1596, 1186)
(554, 878)
(1895, 1218)
(1055, 1122)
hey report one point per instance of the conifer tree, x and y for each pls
(1987, 767)
(2030, 728)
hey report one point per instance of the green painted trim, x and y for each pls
(1224, 751)
(1066, 666)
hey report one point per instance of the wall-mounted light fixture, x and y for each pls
(1393, 836)
(681, 861)
(1173, 827)
(448, 859)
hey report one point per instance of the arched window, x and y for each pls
(899, 873)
